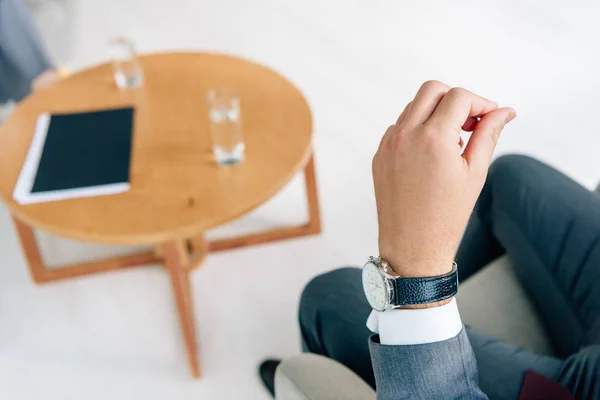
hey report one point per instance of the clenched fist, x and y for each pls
(425, 184)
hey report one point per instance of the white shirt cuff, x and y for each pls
(416, 326)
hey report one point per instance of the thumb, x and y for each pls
(480, 148)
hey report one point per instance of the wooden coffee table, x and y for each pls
(177, 190)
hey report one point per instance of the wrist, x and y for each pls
(427, 305)
(421, 268)
(387, 290)
(417, 267)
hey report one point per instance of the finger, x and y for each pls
(403, 114)
(480, 148)
(469, 126)
(427, 99)
(386, 136)
(457, 106)
(391, 129)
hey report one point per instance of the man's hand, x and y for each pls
(425, 185)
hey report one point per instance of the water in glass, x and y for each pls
(128, 72)
(226, 129)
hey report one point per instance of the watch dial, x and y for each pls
(374, 287)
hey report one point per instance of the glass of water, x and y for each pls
(127, 69)
(225, 126)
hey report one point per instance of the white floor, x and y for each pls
(358, 63)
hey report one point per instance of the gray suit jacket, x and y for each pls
(442, 370)
(23, 55)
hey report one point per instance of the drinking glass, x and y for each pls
(225, 126)
(127, 69)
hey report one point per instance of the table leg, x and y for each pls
(177, 258)
(198, 249)
(41, 274)
(30, 251)
(310, 181)
(312, 227)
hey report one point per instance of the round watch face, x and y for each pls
(374, 286)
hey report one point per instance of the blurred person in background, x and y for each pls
(25, 64)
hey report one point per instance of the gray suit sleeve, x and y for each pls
(441, 370)
(23, 55)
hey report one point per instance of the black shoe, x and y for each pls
(266, 370)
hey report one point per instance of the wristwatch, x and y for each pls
(385, 291)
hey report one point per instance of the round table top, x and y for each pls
(177, 189)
